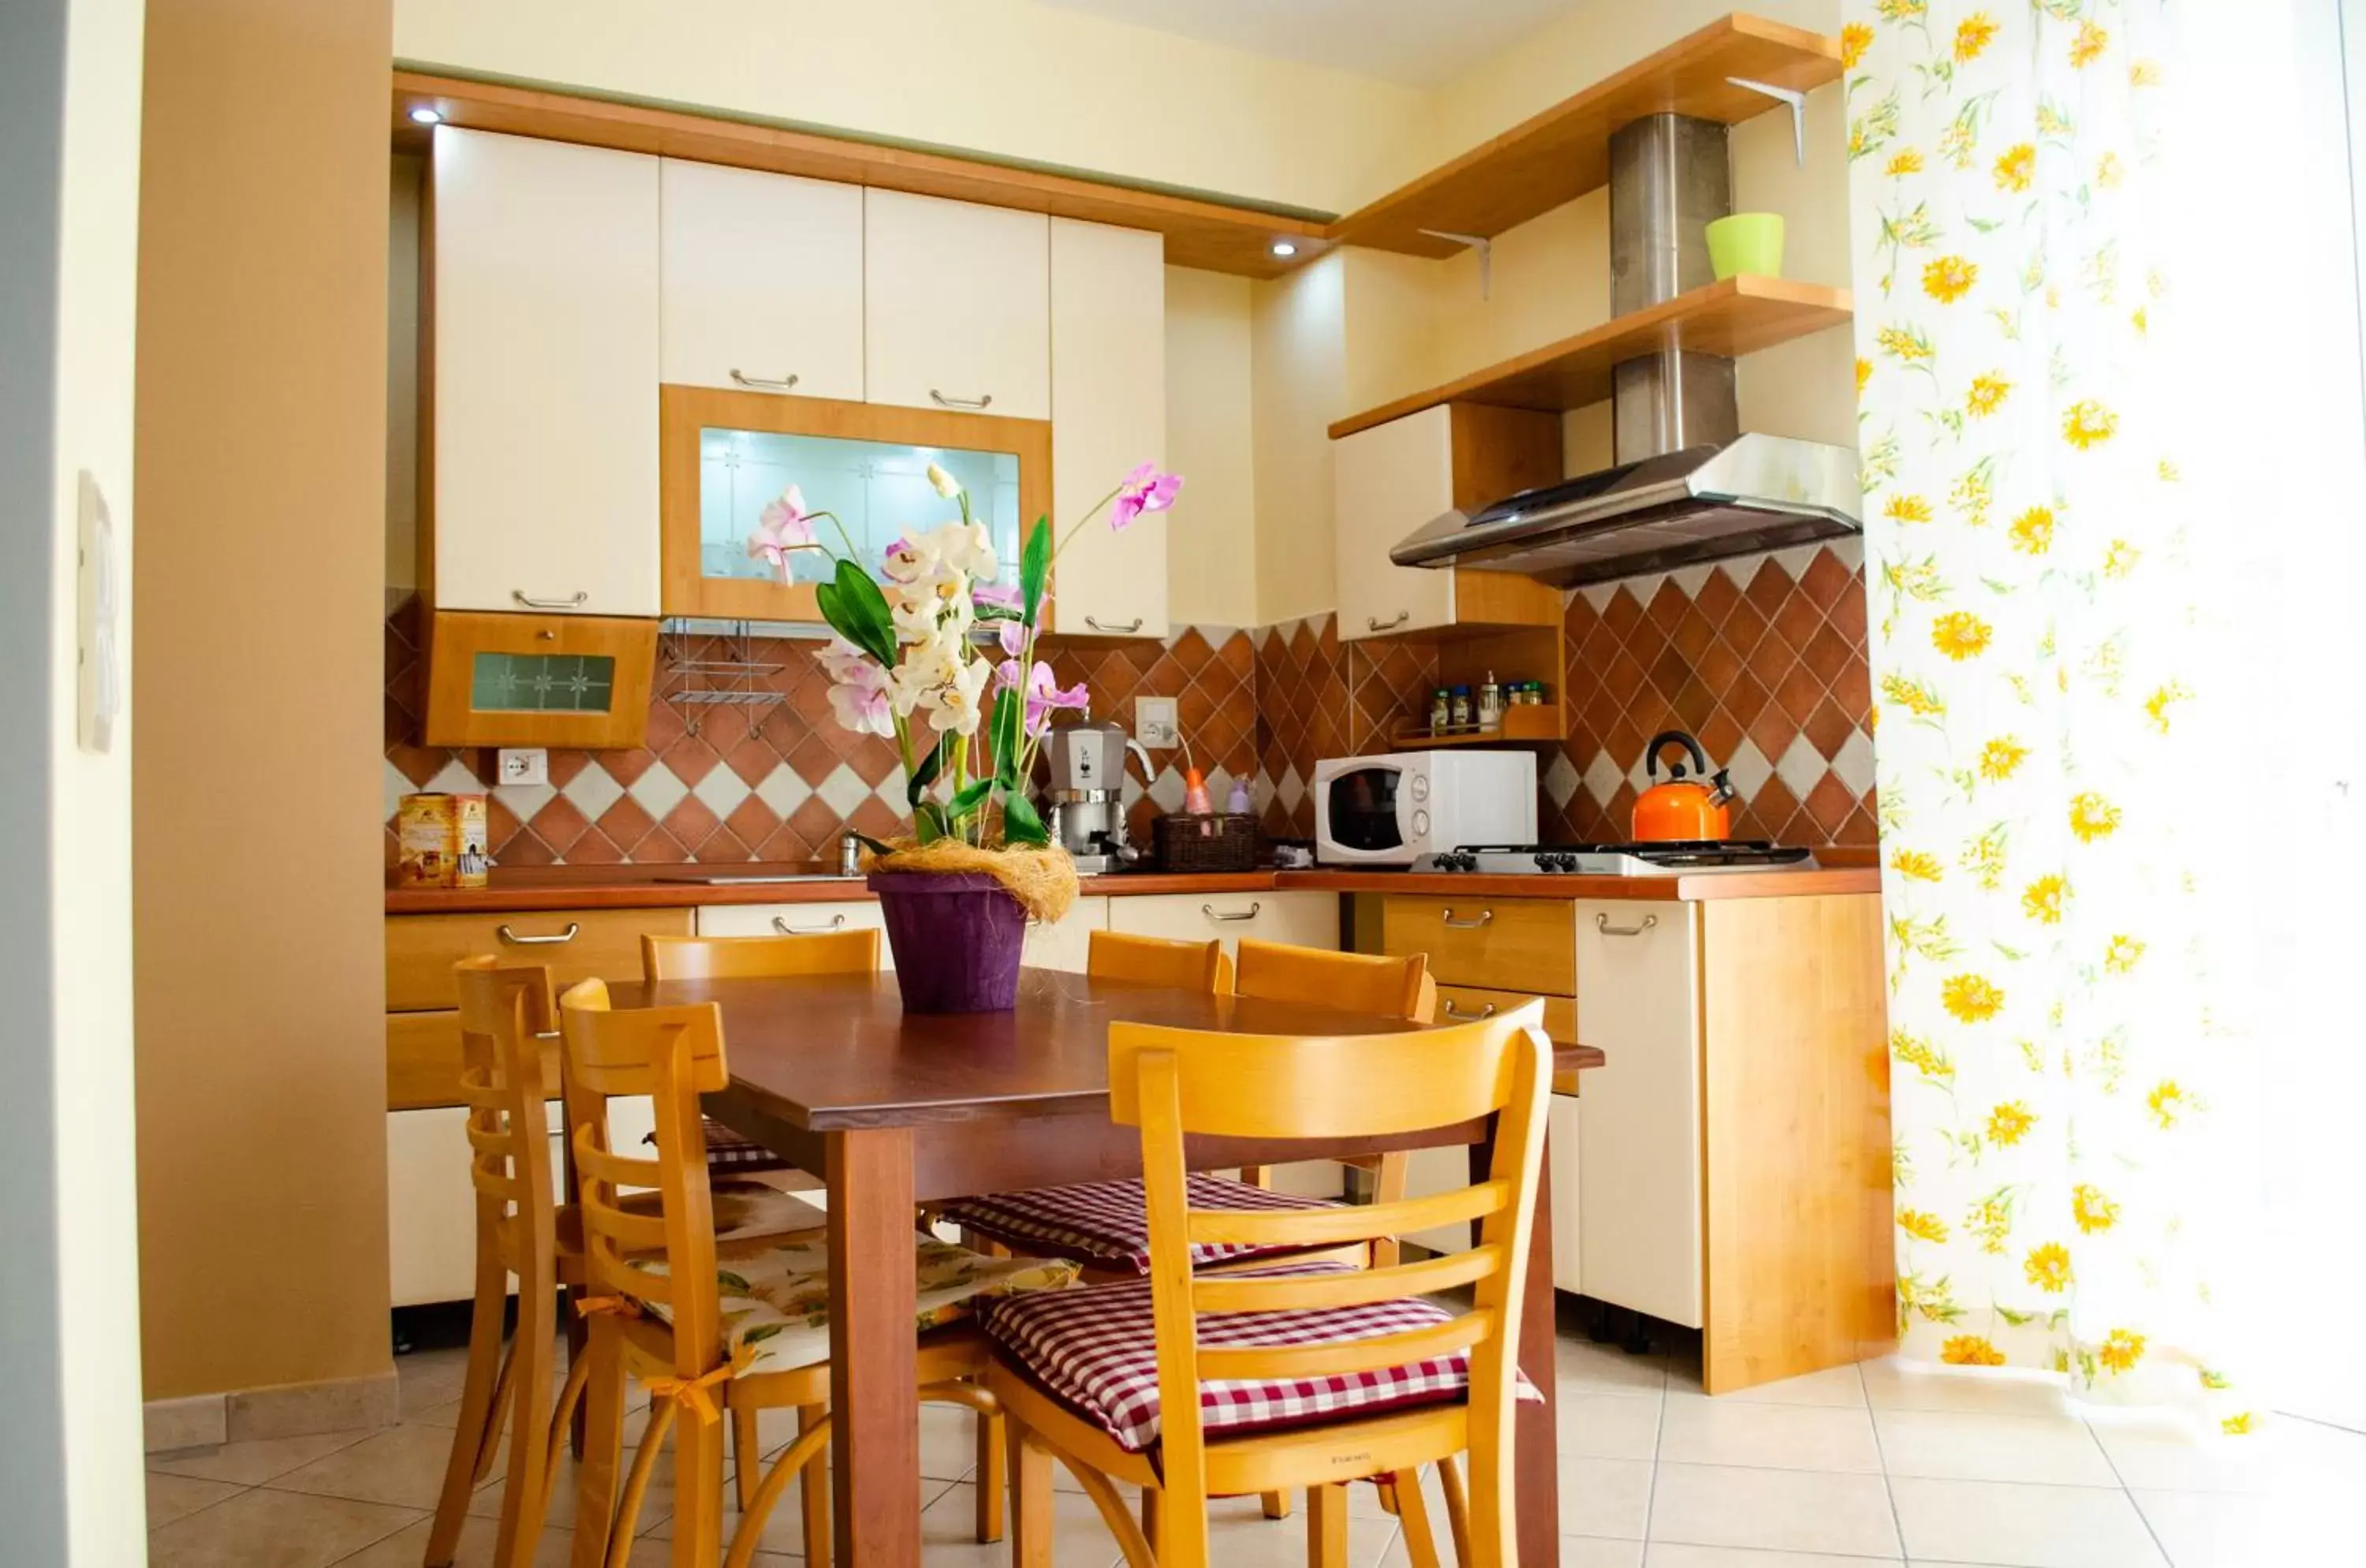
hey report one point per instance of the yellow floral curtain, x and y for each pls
(2052, 1038)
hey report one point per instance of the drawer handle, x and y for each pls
(943, 402)
(1486, 917)
(1602, 923)
(1249, 914)
(569, 934)
(546, 1035)
(1373, 622)
(576, 602)
(1486, 1010)
(762, 383)
(1126, 630)
(837, 923)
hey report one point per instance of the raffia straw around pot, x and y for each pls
(1042, 880)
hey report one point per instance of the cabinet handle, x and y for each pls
(546, 1035)
(508, 935)
(943, 402)
(530, 602)
(1602, 923)
(1486, 916)
(1486, 1010)
(837, 923)
(762, 383)
(1373, 622)
(1130, 626)
(1249, 914)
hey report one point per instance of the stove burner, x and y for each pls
(1613, 860)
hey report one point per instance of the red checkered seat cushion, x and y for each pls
(726, 1151)
(1093, 1349)
(1103, 1225)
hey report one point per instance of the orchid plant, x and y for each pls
(912, 660)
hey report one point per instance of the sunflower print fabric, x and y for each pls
(2052, 1031)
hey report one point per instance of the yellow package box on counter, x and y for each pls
(440, 841)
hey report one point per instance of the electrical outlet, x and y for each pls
(523, 765)
(1154, 723)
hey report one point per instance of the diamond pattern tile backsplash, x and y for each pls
(1761, 658)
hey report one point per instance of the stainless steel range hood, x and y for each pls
(1754, 492)
(1687, 486)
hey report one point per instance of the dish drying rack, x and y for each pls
(731, 677)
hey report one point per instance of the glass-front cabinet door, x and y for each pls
(735, 463)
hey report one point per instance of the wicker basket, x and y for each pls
(1222, 840)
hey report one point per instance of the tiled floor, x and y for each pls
(1841, 1469)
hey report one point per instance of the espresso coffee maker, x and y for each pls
(1087, 793)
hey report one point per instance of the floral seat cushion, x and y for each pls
(1094, 1349)
(742, 1209)
(776, 1294)
(1103, 1223)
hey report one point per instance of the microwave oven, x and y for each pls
(1393, 809)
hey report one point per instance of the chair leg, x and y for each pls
(1150, 1517)
(533, 1350)
(697, 1492)
(479, 1427)
(813, 1492)
(992, 1476)
(746, 1456)
(1327, 1527)
(1031, 1500)
(1413, 1508)
(578, 1347)
(603, 1445)
(1457, 1508)
(1276, 1505)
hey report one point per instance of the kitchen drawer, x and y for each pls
(582, 944)
(1299, 919)
(1460, 1004)
(796, 920)
(423, 1060)
(1500, 944)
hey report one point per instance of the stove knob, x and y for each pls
(1546, 862)
(1569, 862)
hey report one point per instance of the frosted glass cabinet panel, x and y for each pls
(727, 457)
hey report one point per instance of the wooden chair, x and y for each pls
(1148, 1425)
(660, 1311)
(1157, 961)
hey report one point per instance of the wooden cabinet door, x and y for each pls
(1639, 1114)
(1387, 482)
(1109, 415)
(956, 307)
(762, 281)
(544, 298)
(1300, 919)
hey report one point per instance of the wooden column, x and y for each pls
(875, 1449)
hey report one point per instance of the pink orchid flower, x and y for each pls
(1145, 489)
(1012, 634)
(783, 524)
(1043, 697)
(1002, 595)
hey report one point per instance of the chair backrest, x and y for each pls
(505, 1014)
(1352, 982)
(759, 957)
(672, 1055)
(1157, 961)
(1173, 1082)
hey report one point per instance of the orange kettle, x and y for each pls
(1682, 808)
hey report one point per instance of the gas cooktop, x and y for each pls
(1614, 860)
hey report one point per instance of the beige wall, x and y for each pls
(1004, 77)
(1211, 441)
(1299, 381)
(259, 975)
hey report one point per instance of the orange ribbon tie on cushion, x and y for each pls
(621, 1306)
(690, 1394)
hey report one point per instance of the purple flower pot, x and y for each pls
(955, 937)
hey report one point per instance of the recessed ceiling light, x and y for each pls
(425, 115)
(1284, 248)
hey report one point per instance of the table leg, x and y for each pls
(1536, 1472)
(877, 1441)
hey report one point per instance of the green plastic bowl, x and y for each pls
(1746, 242)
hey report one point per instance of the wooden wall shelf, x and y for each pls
(1740, 315)
(1563, 152)
(1522, 726)
(1213, 235)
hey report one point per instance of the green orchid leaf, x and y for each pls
(873, 845)
(862, 617)
(924, 772)
(996, 613)
(1035, 568)
(928, 822)
(968, 798)
(1002, 724)
(1021, 825)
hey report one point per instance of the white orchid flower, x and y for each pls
(960, 703)
(946, 485)
(925, 671)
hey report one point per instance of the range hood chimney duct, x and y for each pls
(1669, 178)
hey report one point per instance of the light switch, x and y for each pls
(1154, 723)
(523, 765)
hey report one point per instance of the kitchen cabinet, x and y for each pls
(578, 944)
(795, 919)
(956, 310)
(1300, 919)
(1065, 944)
(542, 295)
(1638, 998)
(1504, 944)
(1394, 479)
(1108, 415)
(761, 281)
(1564, 1140)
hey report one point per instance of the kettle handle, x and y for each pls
(1675, 770)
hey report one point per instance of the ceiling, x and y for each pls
(1420, 43)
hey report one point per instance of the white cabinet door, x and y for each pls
(1300, 919)
(1387, 482)
(545, 301)
(431, 1206)
(1109, 415)
(1066, 944)
(956, 306)
(1640, 1157)
(795, 919)
(1561, 1146)
(762, 281)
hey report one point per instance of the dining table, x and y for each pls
(893, 1110)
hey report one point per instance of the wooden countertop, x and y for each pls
(648, 887)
